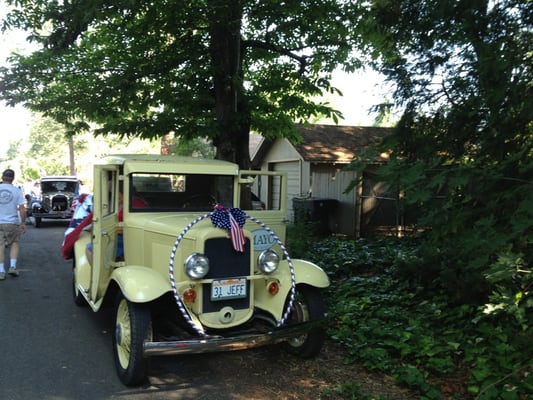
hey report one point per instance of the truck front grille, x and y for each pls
(224, 262)
(59, 203)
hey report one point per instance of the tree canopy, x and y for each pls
(47, 151)
(199, 68)
(462, 155)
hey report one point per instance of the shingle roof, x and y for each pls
(326, 143)
(336, 143)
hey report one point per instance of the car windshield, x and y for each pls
(58, 186)
(179, 192)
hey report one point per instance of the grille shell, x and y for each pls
(224, 263)
(60, 202)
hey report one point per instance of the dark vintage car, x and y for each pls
(56, 197)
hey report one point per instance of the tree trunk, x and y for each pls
(71, 156)
(232, 113)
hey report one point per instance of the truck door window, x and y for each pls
(264, 193)
(109, 193)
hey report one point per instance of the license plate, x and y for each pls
(228, 289)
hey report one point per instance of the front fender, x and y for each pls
(305, 272)
(140, 284)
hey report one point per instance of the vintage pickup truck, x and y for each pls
(190, 265)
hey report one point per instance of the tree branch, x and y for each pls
(258, 44)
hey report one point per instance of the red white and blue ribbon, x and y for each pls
(198, 328)
(240, 217)
(81, 218)
(232, 219)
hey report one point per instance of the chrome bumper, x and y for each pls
(211, 344)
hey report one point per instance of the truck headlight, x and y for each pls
(268, 261)
(196, 266)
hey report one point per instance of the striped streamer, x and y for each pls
(181, 307)
(291, 268)
(177, 298)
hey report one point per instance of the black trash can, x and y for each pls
(316, 212)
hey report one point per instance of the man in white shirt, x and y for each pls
(12, 222)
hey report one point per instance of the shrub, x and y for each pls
(391, 318)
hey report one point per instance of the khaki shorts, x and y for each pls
(10, 233)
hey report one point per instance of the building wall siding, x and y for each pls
(294, 178)
(329, 181)
(314, 168)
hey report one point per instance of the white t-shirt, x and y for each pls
(10, 199)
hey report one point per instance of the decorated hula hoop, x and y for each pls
(181, 307)
(177, 298)
(291, 268)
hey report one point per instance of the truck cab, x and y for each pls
(190, 264)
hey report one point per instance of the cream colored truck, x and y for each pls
(201, 270)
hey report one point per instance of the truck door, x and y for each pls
(263, 195)
(105, 228)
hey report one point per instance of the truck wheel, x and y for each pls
(132, 327)
(308, 306)
(79, 300)
(37, 222)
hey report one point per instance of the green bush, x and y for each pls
(299, 240)
(393, 320)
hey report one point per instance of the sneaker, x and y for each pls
(13, 272)
(2, 276)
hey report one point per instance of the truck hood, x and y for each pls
(169, 223)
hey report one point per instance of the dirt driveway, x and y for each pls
(270, 373)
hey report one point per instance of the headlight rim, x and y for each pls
(265, 265)
(191, 266)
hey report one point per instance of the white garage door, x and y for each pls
(292, 168)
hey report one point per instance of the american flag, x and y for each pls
(236, 235)
(232, 219)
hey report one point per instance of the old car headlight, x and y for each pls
(196, 266)
(268, 261)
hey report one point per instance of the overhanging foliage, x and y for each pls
(462, 156)
(211, 68)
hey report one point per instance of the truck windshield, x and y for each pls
(180, 192)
